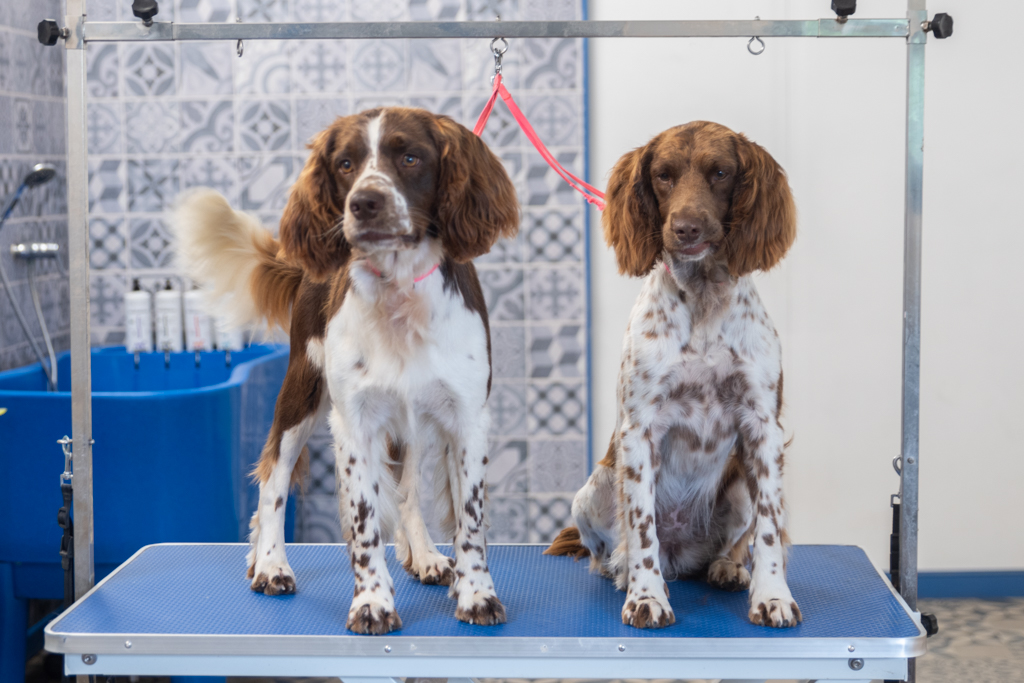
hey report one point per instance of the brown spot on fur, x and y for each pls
(732, 389)
(778, 397)
(630, 473)
(278, 503)
(645, 541)
(761, 468)
(768, 539)
(648, 562)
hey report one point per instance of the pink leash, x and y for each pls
(589, 192)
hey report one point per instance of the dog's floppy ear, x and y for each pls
(310, 227)
(476, 200)
(631, 219)
(762, 220)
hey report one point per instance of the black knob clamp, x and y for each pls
(844, 8)
(941, 25)
(48, 32)
(145, 10)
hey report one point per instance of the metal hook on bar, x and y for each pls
(750, 43)
(239, 47)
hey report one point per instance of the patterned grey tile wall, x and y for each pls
(31, 130)
(166, 117)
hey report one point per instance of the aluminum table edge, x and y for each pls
(482, 646)
(482, 667)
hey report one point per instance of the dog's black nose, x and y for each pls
(687, 228)
(365, 204)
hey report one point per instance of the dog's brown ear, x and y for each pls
(476, 200)
(631, 219)
(310, 227)
(762, 220)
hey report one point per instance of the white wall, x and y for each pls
(832, 113)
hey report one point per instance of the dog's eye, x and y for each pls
(721, 175)
(346, 166)
(410, 160)
(664, 176)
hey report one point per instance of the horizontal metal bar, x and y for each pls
(102, 31)
(483, 667)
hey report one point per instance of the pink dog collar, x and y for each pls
(415, 280)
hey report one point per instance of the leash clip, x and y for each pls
(65, 445)
(498, 54)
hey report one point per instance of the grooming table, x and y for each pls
(187, 610)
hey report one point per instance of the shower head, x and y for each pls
(40, 173)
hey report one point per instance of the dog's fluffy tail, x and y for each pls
(235, 259)
(568, 542)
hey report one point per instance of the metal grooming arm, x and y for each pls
(76, 31)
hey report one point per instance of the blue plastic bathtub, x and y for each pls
(173, 447)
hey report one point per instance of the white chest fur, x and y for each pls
(394, 351)
(693, 370)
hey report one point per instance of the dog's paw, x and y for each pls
(482, 608)
(275, 578)
(436, 570)
(775, 612)
(727, 575)
(647, 611)
(371, 618)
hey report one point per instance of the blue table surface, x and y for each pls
(202, 589)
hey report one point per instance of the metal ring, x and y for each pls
(496, 52)
(750, 44)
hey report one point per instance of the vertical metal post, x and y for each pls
(78, 257)
(912, 302)
(911, 401)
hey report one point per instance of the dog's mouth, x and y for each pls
(378, 236)
(696, 249)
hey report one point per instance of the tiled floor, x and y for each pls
(979, 641)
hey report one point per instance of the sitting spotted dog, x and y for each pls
(693, 472)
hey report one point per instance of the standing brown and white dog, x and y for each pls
(694, 467)
(389, 333)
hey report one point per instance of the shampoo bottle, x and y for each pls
(198, 326)
(169, 336)
(138, 314)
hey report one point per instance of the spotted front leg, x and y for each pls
(647, 603)
(473, 588)
(359, 465)
(771, 602)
